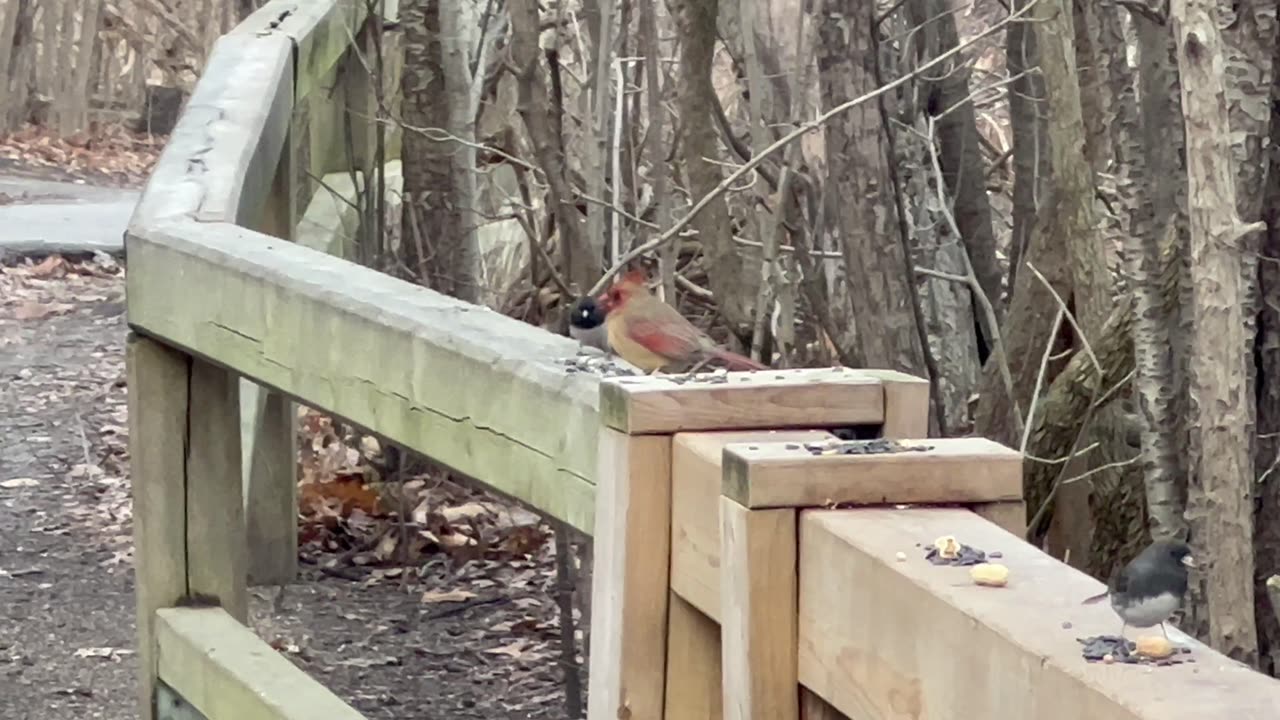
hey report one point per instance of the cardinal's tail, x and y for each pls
(1096, 598)
(736, 361)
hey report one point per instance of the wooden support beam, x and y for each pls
(159, 379)
(758, 612)
(805, 397)
(1008, 514)
(883, 638)
(271, 483)
(951, 470)
(695, 508)
(693, 664)
(271, 498)
(906, 404)
(629, 593)
(216, 542)
(219, 667)
(249, 301)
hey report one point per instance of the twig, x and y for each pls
(794, 135)
(1058, 461)
(84, 441)
(1035, 394)
(1102, 468)
(1088, 416)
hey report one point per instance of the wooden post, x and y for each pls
(758, 612)
(158, 404)
(216, 543)
(270, 449)
(693, 664)
(629, 588)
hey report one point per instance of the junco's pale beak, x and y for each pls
(1188, 561)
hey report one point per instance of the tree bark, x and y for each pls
(1153, 174)
(1030, 140)
(726, 271)
(1266, 541)
(578, 259)
(865, 217)
(1220, 506)
(432, 221)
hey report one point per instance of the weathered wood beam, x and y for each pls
(942, 470)
(695, 508)
(225, 671)
(879, 637)
(808, 397)
(481, 393)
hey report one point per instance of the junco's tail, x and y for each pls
(1096, 598)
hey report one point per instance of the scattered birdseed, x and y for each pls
(1098, 647)
(996, 555)
(1066, 624)
(878, 446)
(968, 555)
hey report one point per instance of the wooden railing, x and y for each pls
(726, 584)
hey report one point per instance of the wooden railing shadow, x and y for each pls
(726, 584)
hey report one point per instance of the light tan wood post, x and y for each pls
(629, 588)
(693, 664)
(758, 612)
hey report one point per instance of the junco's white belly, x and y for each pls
(1149, 611)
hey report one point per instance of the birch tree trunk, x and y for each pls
(1220, 506)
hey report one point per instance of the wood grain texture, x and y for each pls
(693, 664)
(217, 545)
(695, 508)
(1008, 514)
(271, 497)
(758, 613)
(271, 485)
(222, 669)
(510, 415)
(806, 397)
(906, 404)
(882, 638)
(952, 470)
(630, 577)
(158, 383)
(220, 161)
(322, 31)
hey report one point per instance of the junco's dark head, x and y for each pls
(586, 323)
(586, 313)
(1150, 588)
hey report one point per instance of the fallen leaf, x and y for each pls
(432, 596)
(514, 651)
(19, 483)
(32, 310)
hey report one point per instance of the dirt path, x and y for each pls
(66, 588)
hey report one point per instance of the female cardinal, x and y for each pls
(651, 334)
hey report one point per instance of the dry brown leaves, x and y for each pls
(350, 511)
(97, 494)
(108, 153)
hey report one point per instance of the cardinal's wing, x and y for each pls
(668, 339)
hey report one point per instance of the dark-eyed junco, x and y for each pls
(586, 323)
(1150, 588)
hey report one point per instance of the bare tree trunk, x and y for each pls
(1031, 310)
(1220, 506)
(726, 271)
(432, 220)
(460, 256)
(582, 264)
(879, 279)
(1030, 139)
(1267, 453)
(1153, 172)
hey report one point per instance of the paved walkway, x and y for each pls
(41, 216)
